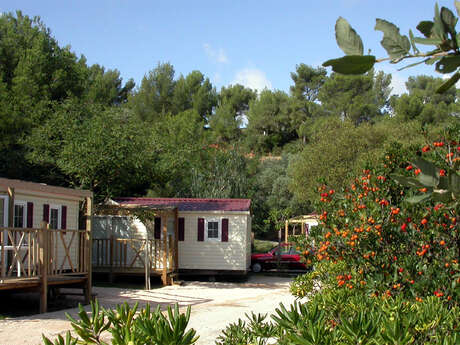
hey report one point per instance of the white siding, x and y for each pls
(212, 255)
(72, 224)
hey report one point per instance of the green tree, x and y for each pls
(154, 98)
(304, 105)
(231, 110)
(105, 150)
(106, 87)
(221, 174)
(356, 98)
(271, 195)
(339, 149)
(35, 72)
(194, 92)
(269, 124)
(180, 144)
(423, 102)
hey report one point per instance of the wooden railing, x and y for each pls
(31, 252)
(69, 252)
(126, 254)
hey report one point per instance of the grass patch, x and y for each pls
(261, 246)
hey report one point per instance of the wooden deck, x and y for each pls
(34, 282)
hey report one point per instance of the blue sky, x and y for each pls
(256, 43)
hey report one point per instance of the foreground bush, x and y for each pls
(347, 317)
(129, 327)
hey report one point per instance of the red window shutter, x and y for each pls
(200, 229)
(46, 213)
(181, 227)
(157, 228)
(63, 217)
(224, 230)
(30, 214)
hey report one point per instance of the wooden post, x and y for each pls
(147, 262)
(10, 207)
(286, 231)
(112, 242)
(89, 244)
(164, 223)
(44, 263)
(176, 239)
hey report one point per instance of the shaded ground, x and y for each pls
(214, 305)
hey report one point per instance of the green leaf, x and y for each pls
(448, 64)
(449, 83)
(395, 44)
(347, 38)
(431, 61)
(454, 182)
(406, 181)
(428, 41)
(425, 27)
(351, 64)
(438, 27)
(414, 47)
(429, 176)
(418, 198)
(413, 64)
(449, 20)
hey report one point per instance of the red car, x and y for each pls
(289, 258)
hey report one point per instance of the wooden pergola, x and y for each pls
(149, 256)
(303, 223)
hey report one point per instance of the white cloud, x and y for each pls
(398, 84)
(252, 78)
(398, 79)
(216, 55)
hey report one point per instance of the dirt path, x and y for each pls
(214, 305)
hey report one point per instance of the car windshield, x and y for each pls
(284, 250)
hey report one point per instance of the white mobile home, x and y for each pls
(213, 235)
(39, 237)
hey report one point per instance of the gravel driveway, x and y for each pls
(214, 305)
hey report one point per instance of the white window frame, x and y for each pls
(219, 230)
(5, 210)
(59, 209)
(24, 214)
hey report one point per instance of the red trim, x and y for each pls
(184, 204)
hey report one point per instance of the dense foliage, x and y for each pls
(65, 122)
(392, 239)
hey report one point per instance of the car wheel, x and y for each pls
(256, 268)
